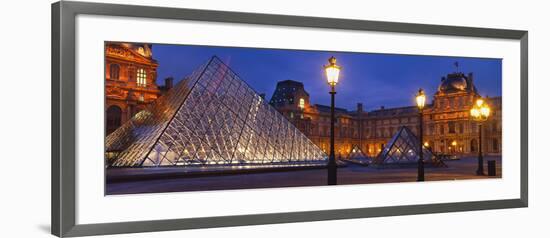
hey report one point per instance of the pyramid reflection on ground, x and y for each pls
(211, 118)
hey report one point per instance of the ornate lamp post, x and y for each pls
(420, 103)
(333, 72)
(480, 113)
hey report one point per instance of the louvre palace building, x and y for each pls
(448, 128)
(130, 81)
(130, 86)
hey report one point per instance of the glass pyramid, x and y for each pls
(356, 156)
(403, 148)
(210, 118)
(356, 153)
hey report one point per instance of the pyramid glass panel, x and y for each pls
(210, 118)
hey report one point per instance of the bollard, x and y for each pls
(492, 168)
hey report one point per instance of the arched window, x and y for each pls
(114, 118)
(141, 77)
(114, 71)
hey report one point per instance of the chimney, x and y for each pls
(359, 107)
(442, 78)
(168, 83)
(381, 107)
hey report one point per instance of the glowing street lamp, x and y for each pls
(420, 99)
(480, 112)
(333, 73)
(420, 103)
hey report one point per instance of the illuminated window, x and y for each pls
(302, 103)
(141, 78)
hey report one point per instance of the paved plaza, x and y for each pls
(463, 168)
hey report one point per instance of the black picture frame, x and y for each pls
(64, 107)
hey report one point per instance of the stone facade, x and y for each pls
(130, 81)
(448, 128)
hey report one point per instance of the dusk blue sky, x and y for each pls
(373, 79)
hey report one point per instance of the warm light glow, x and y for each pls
(453, 143)
(479, 102)
(141, 51)
(481, 110)
(332, 71)
(475, 112)
(426, 144)
(485, 111)
(420, 99)
(302, 103)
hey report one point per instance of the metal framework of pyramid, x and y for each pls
(210, 118)
(403, 148)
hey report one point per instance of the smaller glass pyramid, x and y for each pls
(356, 153)
(356, 156)
(403, 148)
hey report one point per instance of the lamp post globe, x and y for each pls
(480, 112)
(332, 72)
(420, 99)
(420, 103)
